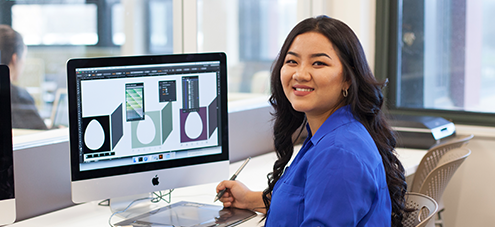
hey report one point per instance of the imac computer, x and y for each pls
(7, 198)
(140, 124)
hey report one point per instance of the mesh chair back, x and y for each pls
(424, 208)
(436, 182)
(431, 158)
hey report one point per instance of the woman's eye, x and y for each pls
(290, 62)
(319, 63)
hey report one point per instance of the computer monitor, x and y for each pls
(140, 124)
(7, 194)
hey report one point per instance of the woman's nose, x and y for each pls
(302, 74)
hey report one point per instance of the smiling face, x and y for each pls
(312, 76)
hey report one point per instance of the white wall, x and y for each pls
(469, 197)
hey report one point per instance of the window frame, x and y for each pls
(387, 58)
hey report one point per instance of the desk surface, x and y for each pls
(253, 176)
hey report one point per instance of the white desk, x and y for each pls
(253, 176)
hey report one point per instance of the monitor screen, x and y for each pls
(146, 123)
(7, 194)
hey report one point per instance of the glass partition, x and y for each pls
(57, 30)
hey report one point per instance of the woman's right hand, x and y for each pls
(239, 196)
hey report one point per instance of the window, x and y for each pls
(439, 56)
(56, 24)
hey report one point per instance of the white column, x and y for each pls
(190, 28)
(178, 27)
(359, 15)
(474, 36)
(135, 34)
(303, 9)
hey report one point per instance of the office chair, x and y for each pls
(431, 158)
(435, 183)
(424, 208)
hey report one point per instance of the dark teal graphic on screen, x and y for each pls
(117, 125)
(134, 98)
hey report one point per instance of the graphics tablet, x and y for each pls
(188, 214)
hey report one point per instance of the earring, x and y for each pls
(345, 93)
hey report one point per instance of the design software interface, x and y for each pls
(147, 113)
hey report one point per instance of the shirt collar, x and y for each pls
(340, 117)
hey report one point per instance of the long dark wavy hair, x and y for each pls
(364, 98)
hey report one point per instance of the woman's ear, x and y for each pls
(12, 66)
(13, 60)
(346, 85)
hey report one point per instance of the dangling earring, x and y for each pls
(345, 93)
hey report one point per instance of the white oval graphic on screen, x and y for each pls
(194, 125)
(94, 137)
(146, 130)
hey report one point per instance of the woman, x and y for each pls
(346, 173)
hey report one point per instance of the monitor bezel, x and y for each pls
(7, 205)
(73, 64)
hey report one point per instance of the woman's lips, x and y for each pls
(301, 91)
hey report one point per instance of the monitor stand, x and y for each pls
(131, 206)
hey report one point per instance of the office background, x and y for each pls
(251, 32)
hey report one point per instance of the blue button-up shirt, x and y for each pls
(336, 179)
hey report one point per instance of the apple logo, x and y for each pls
(155, 181)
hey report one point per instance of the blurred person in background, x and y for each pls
(25, 115)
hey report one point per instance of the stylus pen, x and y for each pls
(220, 193)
